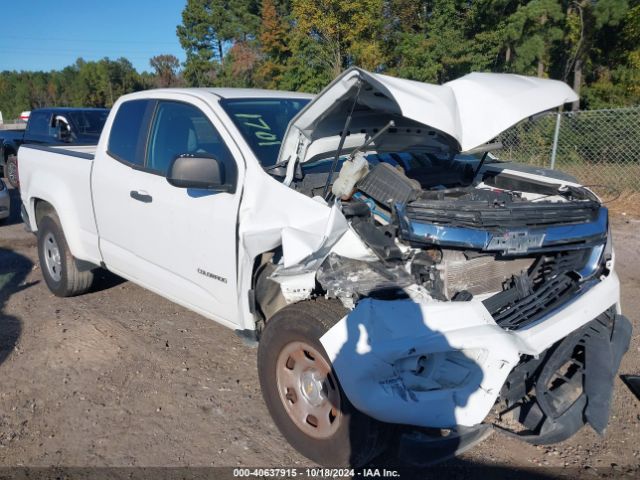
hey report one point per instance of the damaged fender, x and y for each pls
(430, 364)
(442, 364)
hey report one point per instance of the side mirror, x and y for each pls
(64, 134)
(63, 130)
(201, 171)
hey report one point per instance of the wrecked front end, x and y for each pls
(490, 299)
(480, 292)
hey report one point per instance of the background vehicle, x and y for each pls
(416, 287)
(51, 126)
(5, 201)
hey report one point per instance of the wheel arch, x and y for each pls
(42, 208)
(6, 150)
(267, 298)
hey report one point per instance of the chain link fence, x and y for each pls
(599, 147)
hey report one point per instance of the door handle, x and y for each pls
(141, 196)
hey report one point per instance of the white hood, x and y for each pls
(460, 115)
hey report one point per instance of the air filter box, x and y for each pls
(388, 186)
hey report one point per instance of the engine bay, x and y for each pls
(519, 245)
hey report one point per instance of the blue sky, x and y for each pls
(51, 34)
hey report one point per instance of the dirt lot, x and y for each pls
(122, 377)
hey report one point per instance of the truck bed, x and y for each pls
(61, 176)
(86, 152)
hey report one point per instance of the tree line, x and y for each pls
(594, 45)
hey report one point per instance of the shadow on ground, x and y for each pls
(14, 268)
(104, 280)
(14, 213)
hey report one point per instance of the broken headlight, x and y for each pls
(347, 278)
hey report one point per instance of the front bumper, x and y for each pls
(443, 364)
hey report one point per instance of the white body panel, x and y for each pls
(368, 346)
(198, 229)
(63, 181)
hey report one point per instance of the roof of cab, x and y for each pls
(69, 109)
(233, 93)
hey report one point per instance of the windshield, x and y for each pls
(88, 122)
(263, 122)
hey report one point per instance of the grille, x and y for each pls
(477, 214)
(523, 311)
(549, 284)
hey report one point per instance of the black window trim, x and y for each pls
(144, 167)
(118, 158)
(156, 101)
(152, 121)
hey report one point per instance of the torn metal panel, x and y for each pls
(273, 215)
(440, 364)
(428, 364)
(304, 227)
(346, 277)
(454, 270)
(351, 246)
(295, 288)
(553, 395)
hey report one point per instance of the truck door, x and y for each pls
(178, 242)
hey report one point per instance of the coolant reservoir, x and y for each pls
(351, 171)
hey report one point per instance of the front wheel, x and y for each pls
(59, 268)
(11, 166)
(303, 393)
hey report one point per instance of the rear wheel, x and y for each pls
(59, 268)
(11, 174)
(303, 393)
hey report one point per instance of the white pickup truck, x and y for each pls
(403, 284)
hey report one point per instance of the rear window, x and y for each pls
(39, 124)
(129, 131)
(89, 122)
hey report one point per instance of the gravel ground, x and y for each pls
(123, 377)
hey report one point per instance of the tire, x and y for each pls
(11, 174)
(342, 435)
(58, 266)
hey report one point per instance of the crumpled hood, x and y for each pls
(460, 115)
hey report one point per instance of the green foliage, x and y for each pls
(303, 44)
(308, 69)
(209, 28)
(88, 84)
(274, 46)
(350, 33)
(531, 31)
(166, 69)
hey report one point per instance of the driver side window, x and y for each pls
(182, 129)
